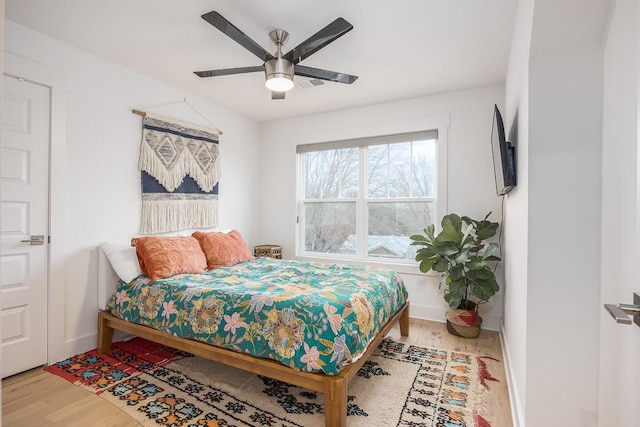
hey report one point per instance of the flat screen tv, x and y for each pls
(504, 162)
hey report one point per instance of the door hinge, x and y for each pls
(48, 239)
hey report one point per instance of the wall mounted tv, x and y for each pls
(504, 160)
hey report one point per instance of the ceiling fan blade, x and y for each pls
(221, 23)
(277, 95)
(319, 40)
(317, 73)
(227, 71)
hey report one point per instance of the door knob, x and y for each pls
(35, 240)
(621, 312)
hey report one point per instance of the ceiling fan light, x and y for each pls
(281, 83)
(279, 73)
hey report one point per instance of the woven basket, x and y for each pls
(463, 323)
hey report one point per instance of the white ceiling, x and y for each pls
(400, 49)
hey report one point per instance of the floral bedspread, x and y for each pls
(311, 317)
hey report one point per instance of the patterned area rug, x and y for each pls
(400, 385)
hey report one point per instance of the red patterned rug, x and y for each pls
(400, 385)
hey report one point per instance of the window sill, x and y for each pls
(400, 267)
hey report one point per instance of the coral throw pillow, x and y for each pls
(223, 249)
(162, 257)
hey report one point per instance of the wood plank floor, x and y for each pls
(38, 398)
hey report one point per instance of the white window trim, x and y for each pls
(417, 124)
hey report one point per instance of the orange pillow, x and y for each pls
(162, 257)
(223, 249)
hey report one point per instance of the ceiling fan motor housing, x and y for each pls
(278, 67)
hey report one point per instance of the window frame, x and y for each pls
(439, 124)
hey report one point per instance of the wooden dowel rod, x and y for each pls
(143, 114)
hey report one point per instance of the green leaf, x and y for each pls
(456, 272)
(469, 221)
(476, 264)
(467, 235)
(483, 284)
(424, 253)
(484, 288)
(446, 248)
(486, 229)
(453, 300)
(418, 238)
(429, 231)
(453, 220)
(481, 274)
(440, 265)
(462, 257)
(456, 292)
(458, 286)
(449, 233)
(490, 250)
(427, 264)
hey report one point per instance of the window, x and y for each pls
(363, 198)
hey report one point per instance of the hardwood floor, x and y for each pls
(38, 398)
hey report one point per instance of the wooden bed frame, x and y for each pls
(334, 387)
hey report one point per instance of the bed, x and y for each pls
(307, 324)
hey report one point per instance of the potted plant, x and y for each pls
(463, 259)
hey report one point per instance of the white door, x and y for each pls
(619, 370)
(24, 216)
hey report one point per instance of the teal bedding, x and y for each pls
(310, 317)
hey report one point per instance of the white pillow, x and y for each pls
(123, 259)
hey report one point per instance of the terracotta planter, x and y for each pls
(463, 323)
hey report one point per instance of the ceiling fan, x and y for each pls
(278, 68)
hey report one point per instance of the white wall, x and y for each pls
(1, 91)
(552, 219)
(103, 191)
(619, 375)
(516, 215)
(565, 137)
(471, 188)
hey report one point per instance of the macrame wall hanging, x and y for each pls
(180, 169)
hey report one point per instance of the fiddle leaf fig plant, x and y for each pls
(462, 257)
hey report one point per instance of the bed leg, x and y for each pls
(105, 334)
(404, 322)
(335, 403)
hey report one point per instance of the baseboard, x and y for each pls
(87, 343)
(516, 408)
(80, 345)
(489, 322)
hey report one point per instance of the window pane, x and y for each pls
(328, 227)
(405, 169)
(391, 224)
(423, 175)
(400, 170)
(331, 174)
(378, 169)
